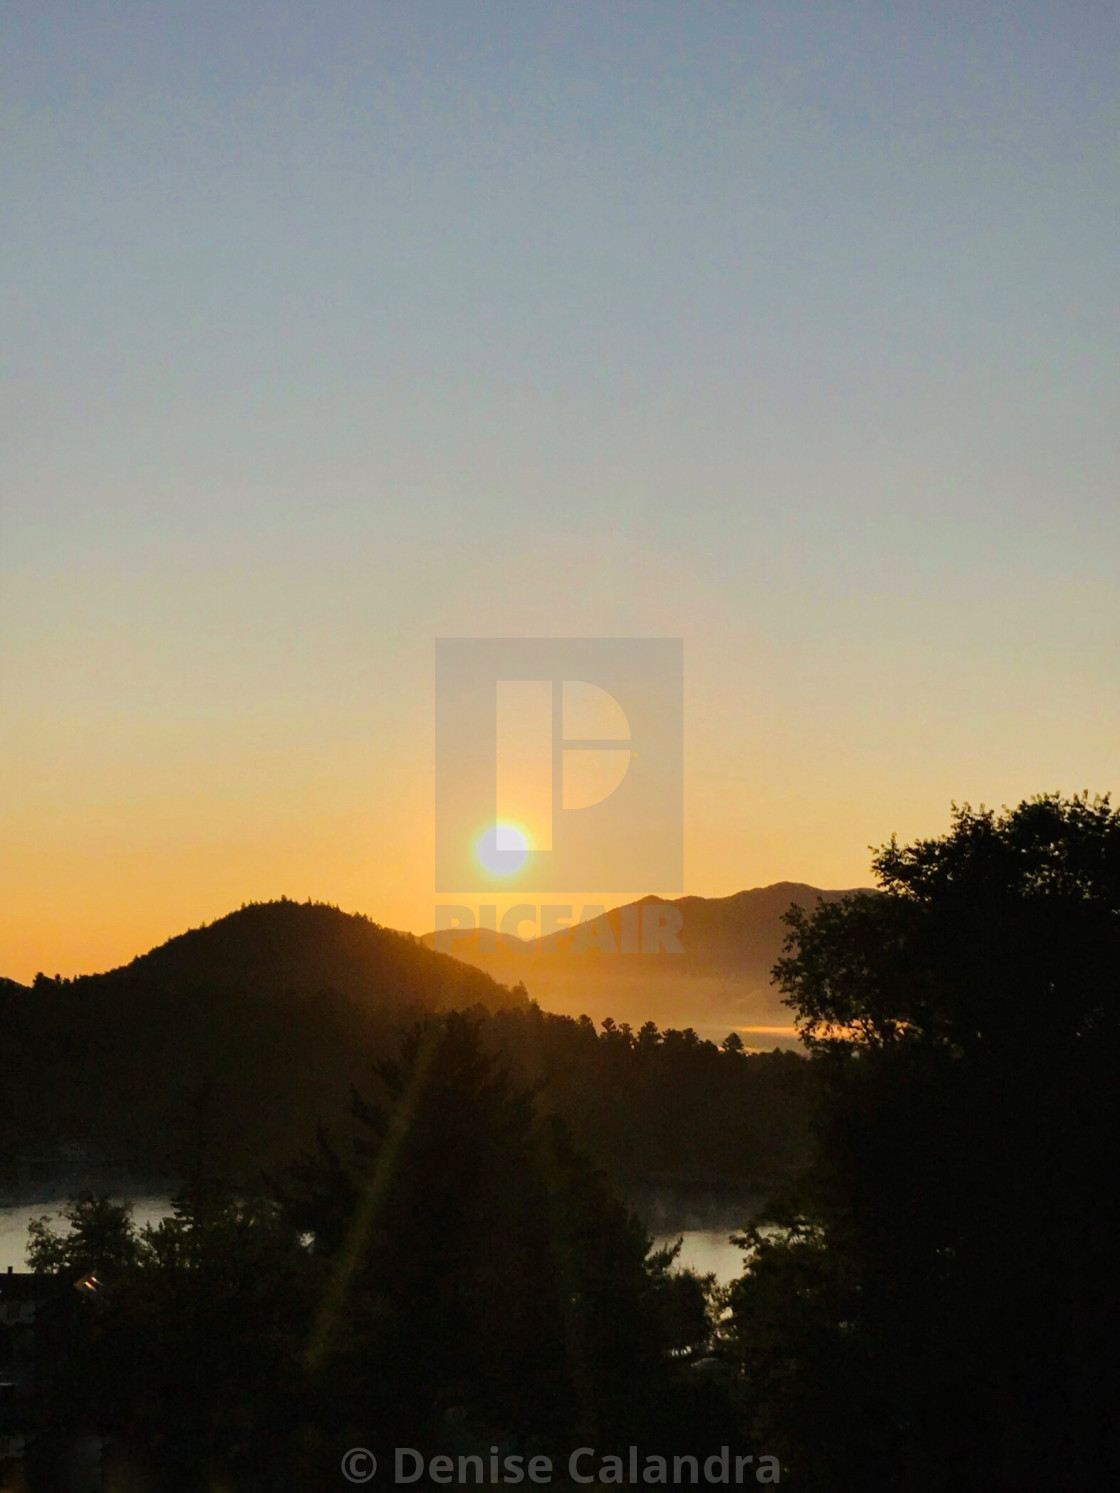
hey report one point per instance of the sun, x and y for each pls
(503, 849)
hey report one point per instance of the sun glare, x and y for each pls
(503, 849)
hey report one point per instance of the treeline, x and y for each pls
(457, 1280)
(117, 1069)
(664, 1106)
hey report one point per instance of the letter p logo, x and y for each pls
(558, 764)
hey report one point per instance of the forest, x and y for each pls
(266, 1019)
(446, 1262)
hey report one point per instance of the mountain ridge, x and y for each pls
(720, 977)
(283, 946)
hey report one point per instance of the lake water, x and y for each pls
(703, 1249)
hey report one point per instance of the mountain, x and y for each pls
(304, 948)
(263, 1019)
(720, 978)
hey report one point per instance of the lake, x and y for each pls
(704, 1249)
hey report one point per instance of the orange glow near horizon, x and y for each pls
(640, 322)
(155, 780)
(106, 861)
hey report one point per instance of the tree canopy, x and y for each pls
(930, 1309)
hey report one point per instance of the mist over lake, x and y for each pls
(704, 1248)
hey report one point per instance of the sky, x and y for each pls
(788, 329)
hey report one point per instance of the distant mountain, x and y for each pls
(12, 987)
(721, 977)
(304, 948)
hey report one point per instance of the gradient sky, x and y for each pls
(786, 328)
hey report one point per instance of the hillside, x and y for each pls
(306, 948)
(268, 1015)
(223, 1050)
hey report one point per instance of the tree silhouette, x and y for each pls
(479, 1272)
(931, 1311)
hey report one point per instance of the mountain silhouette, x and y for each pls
(720, 977)
(275, 1010)
(305, 948)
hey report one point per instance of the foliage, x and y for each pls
(650, 1106)
(929, 1311)
(457, 1275)
(100, 1235)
